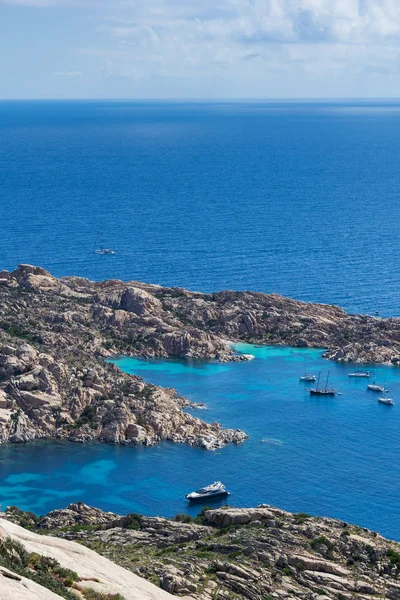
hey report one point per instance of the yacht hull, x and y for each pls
(203, 497)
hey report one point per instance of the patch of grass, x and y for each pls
(91, 594)
(346, 531)
(15, 330)
(301, 518)
(394, 558)
(43, 570)
(77, 528)
(225, 530)
(321, 541)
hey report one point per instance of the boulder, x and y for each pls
(139, 301)
(222, 517)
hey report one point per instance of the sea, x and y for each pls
(295, 198)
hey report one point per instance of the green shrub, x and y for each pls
(25, 519)
(394, 557)
(131, 521)
(91, 594)
(201, 519)
(301, 518)
(15, 330)
(183, 518)
(321, 541)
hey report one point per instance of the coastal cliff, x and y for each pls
(261, 553)
(55, 335)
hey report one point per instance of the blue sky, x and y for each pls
(199, 48)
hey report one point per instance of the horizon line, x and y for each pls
(213, 100)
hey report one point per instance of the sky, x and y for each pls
(199, 49)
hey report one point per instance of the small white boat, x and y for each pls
(375, 387)
(388, 401)
(307, 376)
(102, 250)
(214, 490)
(360, 374)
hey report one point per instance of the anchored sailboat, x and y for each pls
(307, 376)
(102, 249)
(384, 399)
(319, 391)
(375, 387)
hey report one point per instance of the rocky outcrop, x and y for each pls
(76, 514)
(246, 553)
(44, 397)
(55, 334)
(54, 381)
(39, 567)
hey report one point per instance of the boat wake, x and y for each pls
(272, 442)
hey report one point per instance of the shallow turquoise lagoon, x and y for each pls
(328, 456)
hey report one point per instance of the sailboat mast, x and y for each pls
(327, 379)
(319, 375)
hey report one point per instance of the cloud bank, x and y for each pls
(239, 42)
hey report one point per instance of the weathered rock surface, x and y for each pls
(76, 514)
(229, 553)
(55, 334)
(71, 565)
(54, 381)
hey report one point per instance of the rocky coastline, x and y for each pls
(55, 335)
(261, 553)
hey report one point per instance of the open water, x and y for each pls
(298, 199)
(294, 198)
(325, 456)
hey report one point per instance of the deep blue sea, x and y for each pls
(294, 198)
(333, 456)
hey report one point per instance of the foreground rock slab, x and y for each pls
(95, 571)
(259, 553)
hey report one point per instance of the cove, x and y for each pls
(335, 457)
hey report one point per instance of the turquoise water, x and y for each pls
(333, 456)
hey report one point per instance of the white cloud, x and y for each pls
(177, 38)
(239, 40)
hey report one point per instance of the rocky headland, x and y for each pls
(261, 553)
(55, 335)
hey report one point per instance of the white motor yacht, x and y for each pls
(214, 490)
